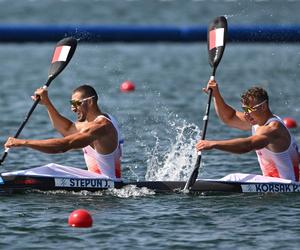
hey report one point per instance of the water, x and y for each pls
(161, 122)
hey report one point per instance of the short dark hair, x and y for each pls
(257, 94)
(86, 91)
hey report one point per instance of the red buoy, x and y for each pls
(127, 86)
(290, 122)
(80, 218)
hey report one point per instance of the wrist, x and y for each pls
(213, 144)
(47, 103)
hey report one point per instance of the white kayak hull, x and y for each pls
(57, 177)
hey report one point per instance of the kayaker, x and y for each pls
(95, 132)
(276, 148)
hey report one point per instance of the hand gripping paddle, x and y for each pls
(62, 55)
(216, 40)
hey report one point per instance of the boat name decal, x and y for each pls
(271, 188)
(84, 183)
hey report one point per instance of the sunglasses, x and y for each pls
(249, 110)
(77, 103)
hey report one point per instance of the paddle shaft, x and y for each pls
(194, 174)
(26, 118)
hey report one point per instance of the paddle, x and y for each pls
(62, 55)
(216, 39)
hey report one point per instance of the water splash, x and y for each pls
(176, 163)
(132, 172)
(125, 192)
(229, 16)
(130, 191)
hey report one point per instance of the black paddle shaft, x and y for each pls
(57, 65)
(216, 39)
(194, 174)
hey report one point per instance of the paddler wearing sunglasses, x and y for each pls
(95, 132)
(276, 148)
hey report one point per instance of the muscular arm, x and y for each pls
(55, 145)
(63, 125)
(226, 113)
(270, 136)
(238, 145)
(94, 132)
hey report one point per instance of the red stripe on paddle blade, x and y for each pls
(216, 38)
(61, 54)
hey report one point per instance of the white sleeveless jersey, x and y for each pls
(106, 164)
(282, 164)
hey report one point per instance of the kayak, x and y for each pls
(53, 177)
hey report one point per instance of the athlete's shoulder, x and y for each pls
(274, 127)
